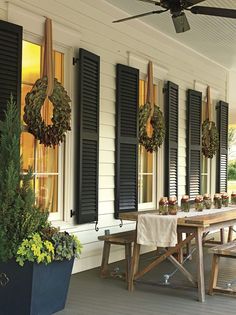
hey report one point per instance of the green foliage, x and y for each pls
(210, 139)
(35, 249)
(66, 246)
(53, 134)
(19, 217)
(232, 170)
(48, 245)
(157, 122)
(25, 232)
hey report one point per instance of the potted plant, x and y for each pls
(36, 259)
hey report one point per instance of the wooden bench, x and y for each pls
(124, 238)
(224, 250)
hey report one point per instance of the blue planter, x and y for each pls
(34, 289)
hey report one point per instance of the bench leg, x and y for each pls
(104, 272)
(222, 236)
(214, 273)
(128, 260)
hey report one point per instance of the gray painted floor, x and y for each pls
(90, 295)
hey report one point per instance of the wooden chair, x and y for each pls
(124, 238)
(225, 250)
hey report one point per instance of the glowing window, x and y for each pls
(45, 162)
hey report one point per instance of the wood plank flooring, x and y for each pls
(91, 295)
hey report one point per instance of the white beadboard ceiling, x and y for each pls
(214, 37)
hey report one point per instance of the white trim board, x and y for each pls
(141, 63)
(202, 87)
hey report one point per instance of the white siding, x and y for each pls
(92, 19)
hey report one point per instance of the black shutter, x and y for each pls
(10, 64)
(222, 156)
(127, 92)
(87, 138)
(194, 127)
(171, 139)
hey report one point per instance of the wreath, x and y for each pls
(49, 135)
(157, 122)
(210, 139)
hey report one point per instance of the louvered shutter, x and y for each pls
(194, 123)
(222, 156)
(10, 64)
(126, 192)
(87, 138)
(171, 139)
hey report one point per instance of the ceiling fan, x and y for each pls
(177, 7)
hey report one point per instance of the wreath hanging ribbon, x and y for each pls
(210, 136)
(151, 115)
(48, 87)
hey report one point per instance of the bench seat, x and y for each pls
(225, 250)
(126, 239)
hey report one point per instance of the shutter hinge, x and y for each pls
(96, 226)
(164, 90)
(72, 213)
(75, 61)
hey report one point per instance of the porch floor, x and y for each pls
(91, 295)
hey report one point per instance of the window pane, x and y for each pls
(47, 159)
(145, 161)
(46, 192)
(145, 188)
(43, 160)
(27, 150)
(30, 62)
(59, 66)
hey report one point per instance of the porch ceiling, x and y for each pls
(211, 36)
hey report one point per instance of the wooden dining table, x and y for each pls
(196, 228)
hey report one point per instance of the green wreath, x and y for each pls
(49, 135)
(157, 122)
(210, 139)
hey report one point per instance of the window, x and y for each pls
(46, 163)
(147, 162)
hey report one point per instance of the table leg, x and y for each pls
(134, 266)
(180, 251)
(200, 266)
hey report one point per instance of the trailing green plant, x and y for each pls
(35, 249)
(66, 246)
(48, 245)
(19, 217)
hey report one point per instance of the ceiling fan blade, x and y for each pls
(151, 1)
(189, 3)
(139, 15)
(227, 13)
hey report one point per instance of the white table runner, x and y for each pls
(161, 230)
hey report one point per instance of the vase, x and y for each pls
(34, 289)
